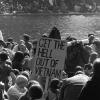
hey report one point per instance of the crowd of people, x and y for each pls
(48, 6)
(16, 82)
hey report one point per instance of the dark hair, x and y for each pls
(16, 71)
(55, 33)
(19, 56)
(96, 67)
(90, 35)
(10, 39)
(35, 92)
(8, 43)
(32, 82)
(78, 68)
(26, 37)
(54, 84)
(3, 56)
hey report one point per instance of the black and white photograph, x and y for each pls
(49, 49)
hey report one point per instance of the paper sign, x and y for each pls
(50, 57)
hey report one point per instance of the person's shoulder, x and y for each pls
(11, 90)
(23, 97)
(77, 79)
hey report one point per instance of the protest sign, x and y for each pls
(50, 57)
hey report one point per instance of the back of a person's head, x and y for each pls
(35, 92)
(54, 84)
(78, 68)
(19, 56)
(3, 56)
(55, 33)
(96, 67)
(33, 82)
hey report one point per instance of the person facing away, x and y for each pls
(55, 33)
(17, 62)
(71, 87)
(92, 87)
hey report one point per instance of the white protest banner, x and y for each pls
(50, 57)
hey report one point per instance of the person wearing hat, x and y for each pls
(18, 89)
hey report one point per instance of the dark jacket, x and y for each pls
(72, 87)
(91, 90)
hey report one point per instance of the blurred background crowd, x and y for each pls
(50, 6)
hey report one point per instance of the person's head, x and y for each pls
(96, 68)
(55, 33)
(33, 82)
(16, 72)
(92, 57)
(54, 85)
(78, 70)
(21, 41)
(26, 74)
(10, 39)
(19, 56)
(88, 69)
(35, 92)
(3, 57)
(9, 45)
(26, 37)
(21, 81)
(91, 38)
